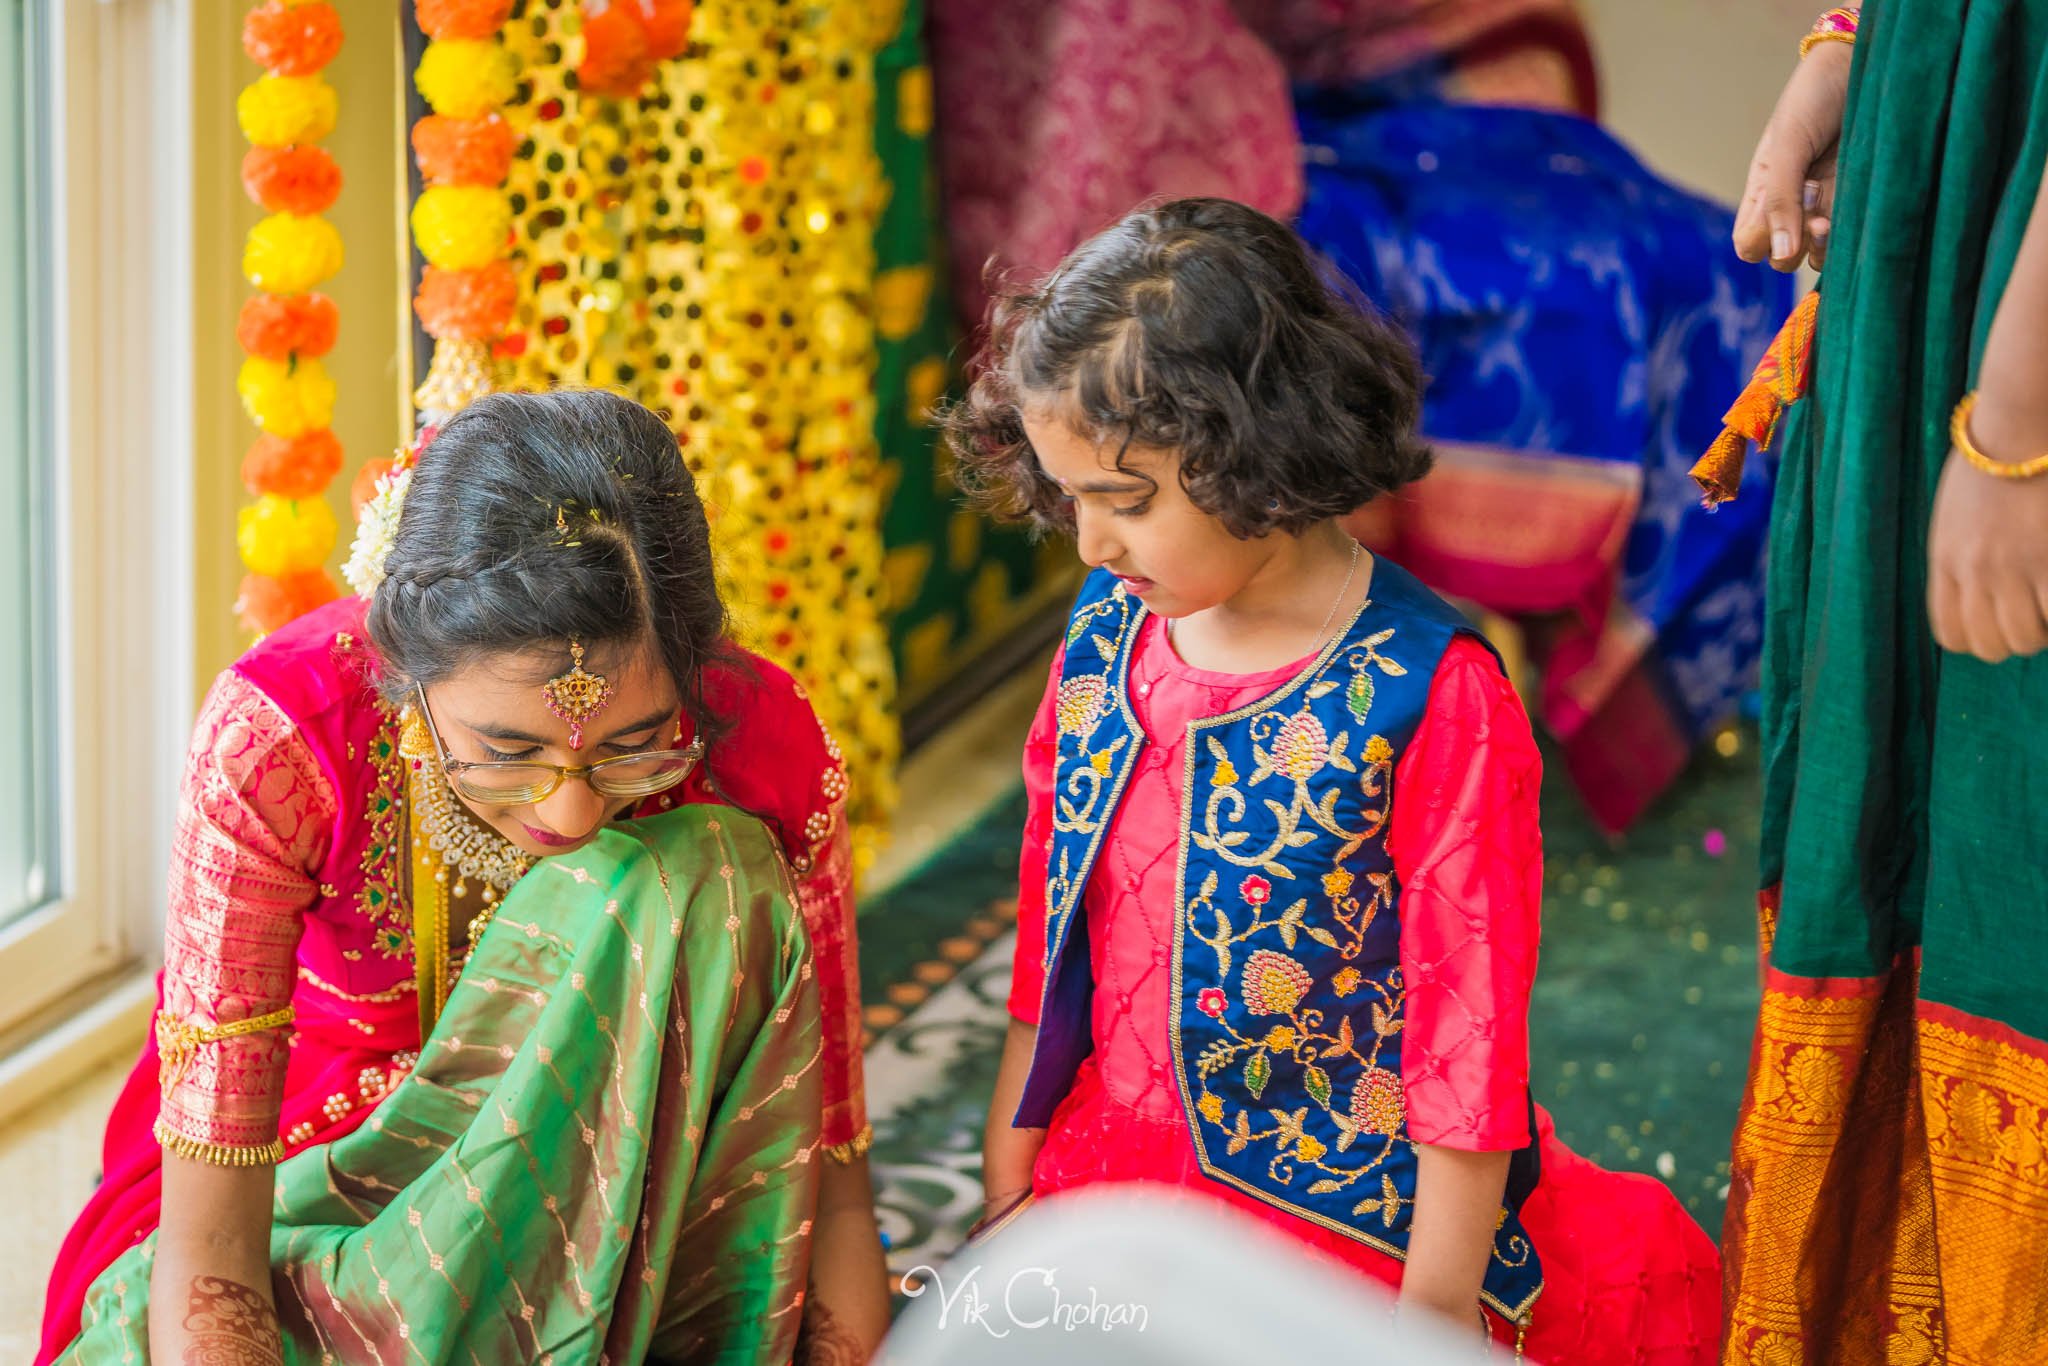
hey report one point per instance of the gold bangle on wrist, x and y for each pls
(1959, 434)
(1837, 25)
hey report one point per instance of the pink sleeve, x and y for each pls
(1468, 852)
(781, 763)
(254, 818)
(1041, 750)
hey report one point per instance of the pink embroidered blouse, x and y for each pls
(286, 887)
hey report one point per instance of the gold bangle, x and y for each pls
(1959, 434)
(177, 1040)
(857, 1146)
(1813, 40)
(219, 1154)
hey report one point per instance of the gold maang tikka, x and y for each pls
(577, 695)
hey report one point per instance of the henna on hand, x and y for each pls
(229, 1324)
(824, 1341)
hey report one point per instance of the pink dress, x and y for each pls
(1629, 1276)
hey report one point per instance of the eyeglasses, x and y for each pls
(525, 781)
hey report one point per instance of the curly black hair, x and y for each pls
(1204, 328)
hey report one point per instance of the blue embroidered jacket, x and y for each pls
(1287, 963)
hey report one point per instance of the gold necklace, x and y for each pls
(444, 837)
(473, 849)
(1323, 631)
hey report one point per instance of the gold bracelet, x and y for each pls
(1837, 25)
(1959, 433)
(177, 1040)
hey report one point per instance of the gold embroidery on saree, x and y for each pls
(384, 847)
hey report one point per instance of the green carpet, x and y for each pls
(1640, 1023)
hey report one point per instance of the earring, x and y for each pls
(415, 741)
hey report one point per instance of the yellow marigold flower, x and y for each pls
(286, 399)
(461, 227)
(1336, 884)
(1377, 750)
(1211, 1106)
(289, 254)
(279, 536)
(275, 111)
(466, 78)
(1312, 1148)
(1280, 1036)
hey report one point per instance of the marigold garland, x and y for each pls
(624, 40)
(457, 19)
(275, 111)
(292, 40)
(452, 151)
(277, 327)
(292, 467)
(462, 221)
(286, 398)
(289, 254)
(461, 227)
(467, 305)
(297, 179)
(466, 77)
(286, 535)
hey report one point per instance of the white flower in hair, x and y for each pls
(375, 531)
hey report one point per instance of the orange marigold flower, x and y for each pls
(294, 467)
(264, 604)
(667, 25)
(292, 40)
(280, 326)
(452, 151)
(467, 305)
(365, 486)
(615, 58)
(461, 18)
(298, 178)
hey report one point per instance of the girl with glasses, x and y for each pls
(509, 1006)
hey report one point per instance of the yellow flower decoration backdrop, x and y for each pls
(708, 248)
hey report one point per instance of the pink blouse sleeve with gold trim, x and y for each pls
(1041, 751)
(254, 818)
(782, 764)
(826, 893)
(1468, 851)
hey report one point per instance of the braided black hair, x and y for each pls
(533, 518)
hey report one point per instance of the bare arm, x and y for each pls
(1457, 1205)
(848, 1309)
(1987, 581)
(1008, 1153)
(209, 1291)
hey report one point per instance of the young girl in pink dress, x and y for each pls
(1282, 867)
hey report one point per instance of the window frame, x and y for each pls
(115, 214)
